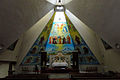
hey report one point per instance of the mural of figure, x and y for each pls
(60, 40)
(86, 51)
(78, 49)
(68, 39)
(69, 26)
(61, 26)
(64, 40)
(58, 27)
(29, 60)
(50, 40)
(34, 50)
(42, 48)
(37, 60)
(53, 40)
(77, 39)
(41, 40)
(90, 59)
(54, 26)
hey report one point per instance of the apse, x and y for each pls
(59, 35)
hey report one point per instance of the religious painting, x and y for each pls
(28, 60)
(36, 60)
(59, 34)
(59, 38)
(34, 49)
(31, 60)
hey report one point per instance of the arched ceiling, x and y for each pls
(103, 16)
(17, 16)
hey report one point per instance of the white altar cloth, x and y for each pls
(60, 64)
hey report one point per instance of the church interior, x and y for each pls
(60, 39)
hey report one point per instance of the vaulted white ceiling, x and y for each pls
(103, 16)
(17, 16)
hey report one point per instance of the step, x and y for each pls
(59, 76)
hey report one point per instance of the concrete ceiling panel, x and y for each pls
(102, 16)
(17, 16)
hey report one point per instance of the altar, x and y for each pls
(60, 61)
(60, 64)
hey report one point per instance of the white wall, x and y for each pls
(4, 69)
(112, 60)
(29, 37)
(7, 56)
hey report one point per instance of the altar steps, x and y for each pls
(59, 70)
(59, 76)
